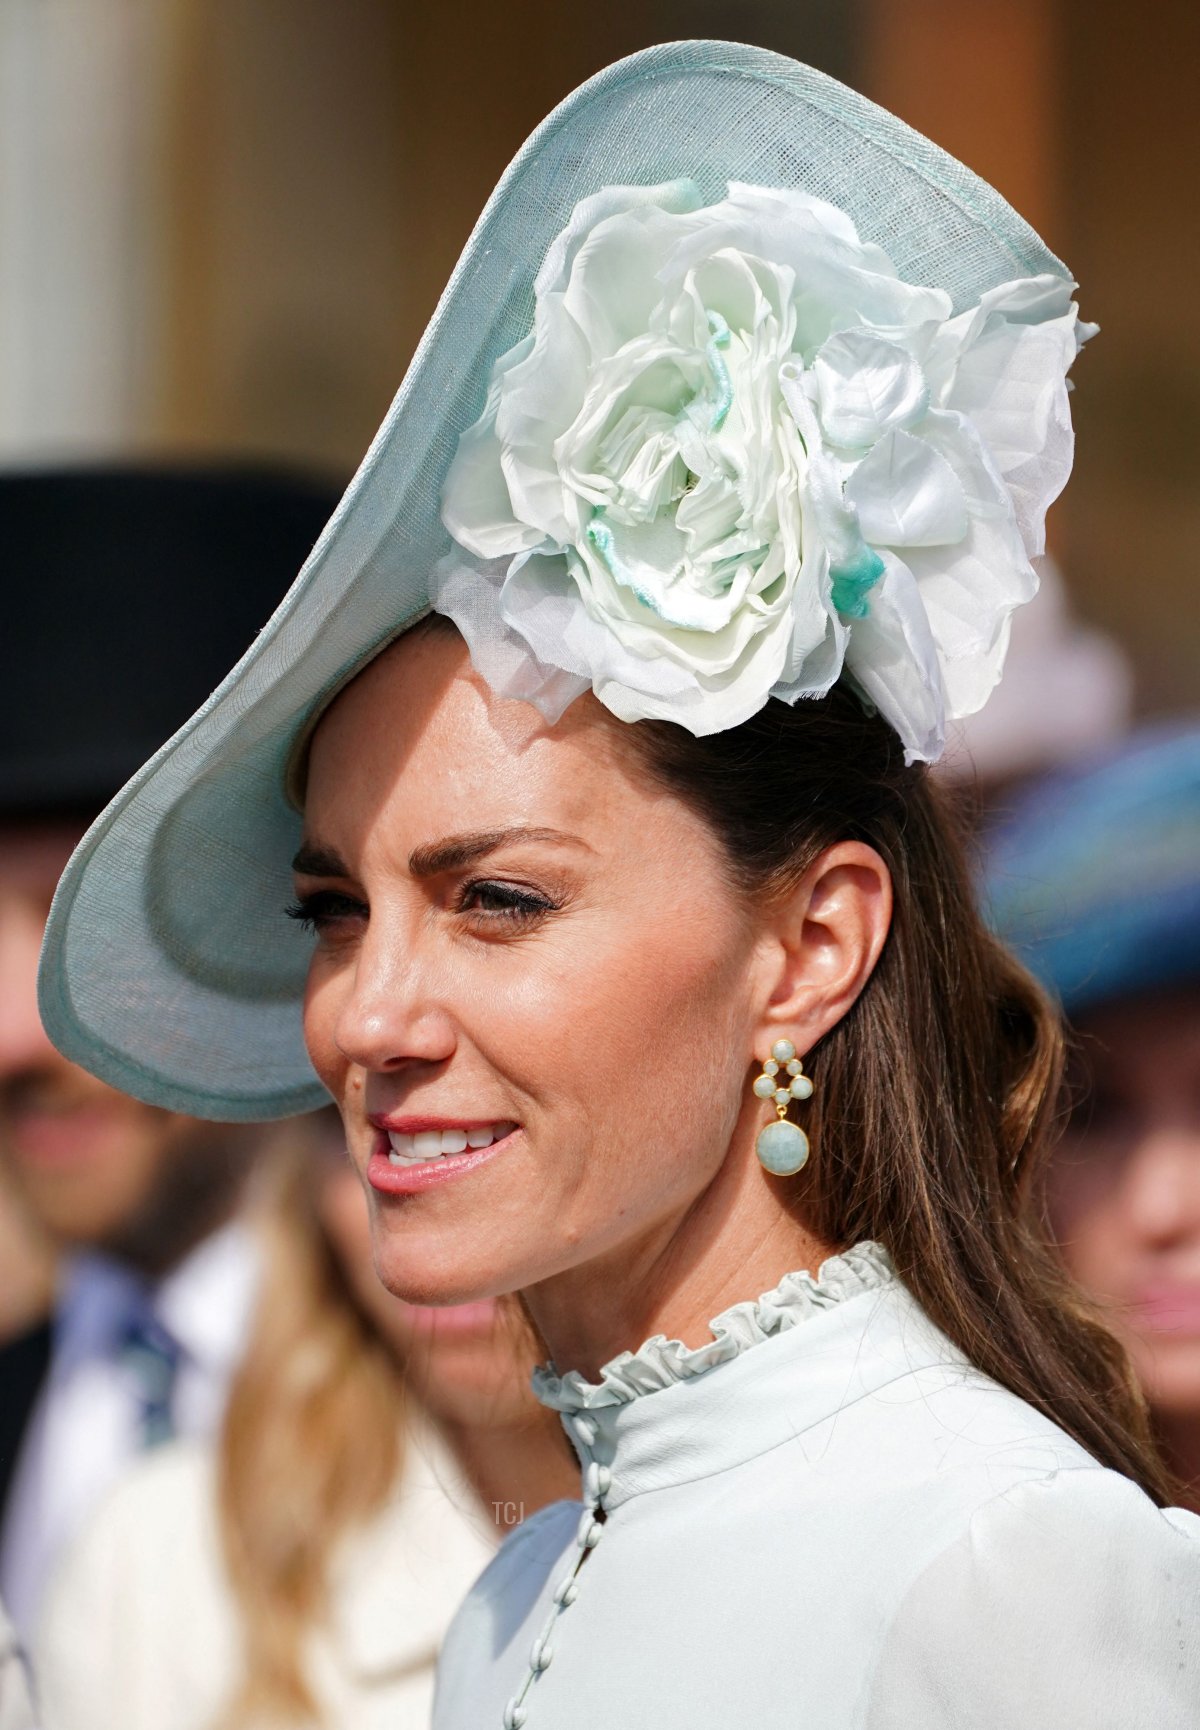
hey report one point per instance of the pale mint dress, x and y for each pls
(826, 1519)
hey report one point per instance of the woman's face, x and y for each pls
(468, 1363)
(528, 955)
(1125, 1186)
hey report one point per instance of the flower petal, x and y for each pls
(612, 287)
(473, 597)
(893, 659)
(866, 385)
(694, 479)
(817, 644)
(1012, 384)
(674, 196)
(970, 591)
(907, 495)
(476, 504)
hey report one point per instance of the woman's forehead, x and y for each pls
(419, 735)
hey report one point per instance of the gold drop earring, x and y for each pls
(782, 1147)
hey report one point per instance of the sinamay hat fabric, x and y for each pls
(168, 967)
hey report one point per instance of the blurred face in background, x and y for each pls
(92, 1166)
(1125, 1187)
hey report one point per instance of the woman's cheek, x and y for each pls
(323, 994)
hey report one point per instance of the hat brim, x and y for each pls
(1093, 878)
(169, 969)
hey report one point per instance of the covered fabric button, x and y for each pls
(515, 1715)
(597, 1481)
(566, 1591)
(583, 1429)
(589, 1531)
(540, 1653)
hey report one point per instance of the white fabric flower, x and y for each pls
(737, 456)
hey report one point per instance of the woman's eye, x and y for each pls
(503, 900)
(318, 911)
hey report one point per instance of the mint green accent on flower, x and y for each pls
(852, 583)
(720, 372)
(602, 538)
(784, 414)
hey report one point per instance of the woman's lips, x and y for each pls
(66, 1138)
(1169, 1308)
(392, 1174)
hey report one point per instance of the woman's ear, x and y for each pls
(827, 937)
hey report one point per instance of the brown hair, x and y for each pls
(310, 1448)
(937, 1093)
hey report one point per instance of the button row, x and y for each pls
(597, 1481)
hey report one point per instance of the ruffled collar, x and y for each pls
(661, 1362)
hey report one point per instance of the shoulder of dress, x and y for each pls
(1095, 1510)
(1081, 1533)
(962, 1421)
(1067, 1599)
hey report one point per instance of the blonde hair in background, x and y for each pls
(310, 1448)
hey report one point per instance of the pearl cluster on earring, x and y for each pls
(782, 1146)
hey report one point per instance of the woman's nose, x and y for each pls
(392, 1014)
(1161, 1186)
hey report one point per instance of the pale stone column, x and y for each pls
(81, 116)
(982, 78)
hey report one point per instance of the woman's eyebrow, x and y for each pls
(313, 861)
(455, 851)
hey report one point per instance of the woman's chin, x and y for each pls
(429, 1282)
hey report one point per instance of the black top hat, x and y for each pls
(128, 593)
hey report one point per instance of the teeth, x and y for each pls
(428, 1144)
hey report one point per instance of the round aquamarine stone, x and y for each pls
(783, 1050)
(782, 1148)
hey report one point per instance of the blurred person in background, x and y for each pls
(28, 1263)
(127, 592)
(304, 1569)
(1094, 877)
(16, 1710)
(1067, 693)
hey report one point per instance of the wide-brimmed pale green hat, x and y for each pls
(169, 968)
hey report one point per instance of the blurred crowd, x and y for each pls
(242, 1485)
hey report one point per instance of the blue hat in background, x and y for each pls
(1093, 878)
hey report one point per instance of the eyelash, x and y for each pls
(519, 906)
(522, 906)
(312, 912)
